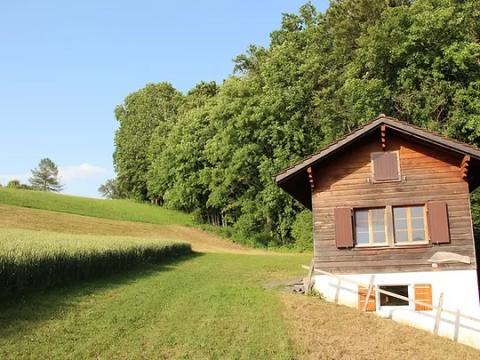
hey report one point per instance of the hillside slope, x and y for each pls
(107, 209)
(14, 217)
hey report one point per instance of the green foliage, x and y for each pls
(127, 210)
(143, 113)
(16, 184)
(110, 189)
(45, 177)
(302, 231)
(321, 76)
(31, 260)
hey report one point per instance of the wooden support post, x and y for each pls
(383, 131)
(310, 177)
(438, 316)
(464, 167)
(369, 292)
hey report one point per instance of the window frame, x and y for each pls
(372, 162)
(390, 228)
(370, 228)
(410, 304)
(410, 241)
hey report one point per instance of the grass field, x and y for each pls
(227, 302)
(108, 209)
(212, 306)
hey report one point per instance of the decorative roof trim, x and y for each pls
(400, 126)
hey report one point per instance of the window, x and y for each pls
(370, 227)
(385, 166)
(388, 300)
(389, 226)
(409, 224)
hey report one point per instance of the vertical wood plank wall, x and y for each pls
(431, 175)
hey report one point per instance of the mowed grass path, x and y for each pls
(211, 306)
(108, 209)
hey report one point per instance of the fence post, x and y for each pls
(438, 316)
(308, 282)
(337, 290)
(457, 325)
(369, 292)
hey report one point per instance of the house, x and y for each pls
(391, 208)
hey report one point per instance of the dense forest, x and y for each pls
(214, 151)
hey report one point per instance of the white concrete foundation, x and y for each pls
(460, 291)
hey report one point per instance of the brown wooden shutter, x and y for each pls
(423, 293)
(362, 294)
(385, 166)
(343, 227)
(438, 222)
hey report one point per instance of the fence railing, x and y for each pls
(371, 287)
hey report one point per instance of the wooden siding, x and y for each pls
(427, 174)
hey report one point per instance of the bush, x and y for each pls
(302, 231)
(16, 184)
(32, 260)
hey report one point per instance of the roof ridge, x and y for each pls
(381, 116)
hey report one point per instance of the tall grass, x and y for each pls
(33, 260)
(108, 209)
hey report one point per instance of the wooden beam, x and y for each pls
(383, 131)
(464, 167)
(371, 286)
(310, 177)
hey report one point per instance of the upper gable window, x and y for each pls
(386, 166)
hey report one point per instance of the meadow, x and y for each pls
(91, 292)
(126, 210)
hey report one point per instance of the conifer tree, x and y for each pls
(45, 177)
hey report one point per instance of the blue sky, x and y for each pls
(65, 65)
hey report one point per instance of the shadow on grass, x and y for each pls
(27, 310)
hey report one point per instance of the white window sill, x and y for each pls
(371, 245)
(411, 243)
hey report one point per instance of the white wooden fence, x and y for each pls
(371, 287)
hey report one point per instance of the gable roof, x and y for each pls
(291, 178)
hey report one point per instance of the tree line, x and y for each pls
(214, 150)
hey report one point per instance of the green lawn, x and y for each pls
(210, 306)
(108, 209)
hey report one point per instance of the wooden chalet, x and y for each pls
(391, 208)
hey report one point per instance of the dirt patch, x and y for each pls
(323, 330)
(35, 219)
